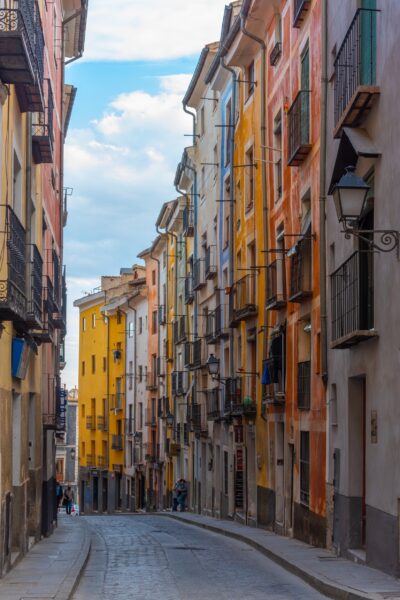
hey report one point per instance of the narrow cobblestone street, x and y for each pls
(153, 557)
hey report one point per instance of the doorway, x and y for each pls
(95, 494)
(104, 494)
(357, 461)
(279, 474)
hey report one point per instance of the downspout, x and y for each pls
(263, 92)
(322, 197)
(188, 112)
(232, 220)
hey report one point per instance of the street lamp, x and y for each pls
(350, 197)
(213, 365)
(170, 419)
(72, 453)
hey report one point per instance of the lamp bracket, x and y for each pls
(382, 240)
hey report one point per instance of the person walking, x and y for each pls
(59, 495)
(175, 493)
(69, 497)
(182, 490)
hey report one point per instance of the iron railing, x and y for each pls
(198, 274)
(210, 262)
(352, 298)
(276, 288)
(189, 295)
(299, 128)
(245, 304)
(233, 396)
(91, 422)
(199, 420)
(188, 221)
(90, 460)
(129, 427)
(102, 423)
(179, 382)
(183, 328)
(213, 404)
(162, 314)
(187, 354)
(355, 63)
(18, 20)
(42, 129)
(210, 327)
(35, 293)
(102, 462)
(304, 385)
(117, 442)
(273, 389)
(197, 353)
(300, 272)
(13, 286)
(150, 419)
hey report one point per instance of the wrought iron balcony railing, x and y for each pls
(210, 327)
(13, 268)
(179, 383)
(162, 315)
(300, 7)
(188, 221)
(183, 329)
(221, 321)
(188, 354)
(199, 419)
(102, 462)
(91, 422)
(17, 42)
(117, 442)
(90, 460)
(233, 404)
(211, 262)
(42, 129)
(198, 274)
(276, 284)
(189, 294)
(300, 272)
(304, 385)
(299, 129)
(34, 312)
(197, 348)
(102, 423)
(152, 381)
(214, 412)
(275, 54)
(355, 71)
(245, 302)
(129, 427)
(352, 302)
(150, 419)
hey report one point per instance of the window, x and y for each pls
(164, 259)
(83, 449)
(140, 415)
(130, 374)
(119, 317)
(226, 473)
(228, 124)
(153, 278)
(215, 165)
(305, 467)
(140, 325)
(93, 320)
(83, 368)
(131, 329)
(249, 179)
(104, 364)
(154, 322)
(278, 155)
(250, 80)
(17, 186)
(84, 324)
(140, 373)
(93, 364)
(202, 123)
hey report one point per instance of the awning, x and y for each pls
(354, 142)
(114, 305)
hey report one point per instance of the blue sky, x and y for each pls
(126, 134)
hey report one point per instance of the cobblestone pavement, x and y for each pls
(154, 558)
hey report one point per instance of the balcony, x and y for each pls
(162, 315)
(150, 418)
(129, 427)
(183, 329)
(152, 381)
(161, 366)
(189, 294)
(117, 442)
(90, 460)
(355, 72)
(179, 383)
(245, 301)
(211, 262)
(352, 305)
(42, 130)
(117, 401)
(304, 385)
(91, 423)
(300, 7)
(102, 462)
(187, 355)
(276, 285)
(46, 333)
(30, 91)
(210, 327)
(299, 129)
(198, 275)
(273, 389)
(188, 221)
(275, 54)
(102, 423)
(199, 420)
(300, 272)
(197, 358)
(221, 317)
(34, 311)
(213, 405)
(12, 268)
(17, 42)
(233, 405)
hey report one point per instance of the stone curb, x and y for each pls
(321, 584)
(71, 580)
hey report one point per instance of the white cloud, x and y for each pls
(123, 167)
(151, 30)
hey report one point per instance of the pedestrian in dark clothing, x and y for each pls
(182, 490)
(175, 497)
(69, 498)
(59, 495)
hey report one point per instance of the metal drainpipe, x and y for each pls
(264, 181)
(232, 226)
(322, 197)
(187, 111)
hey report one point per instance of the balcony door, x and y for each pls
(305, 98)
(368, 42)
